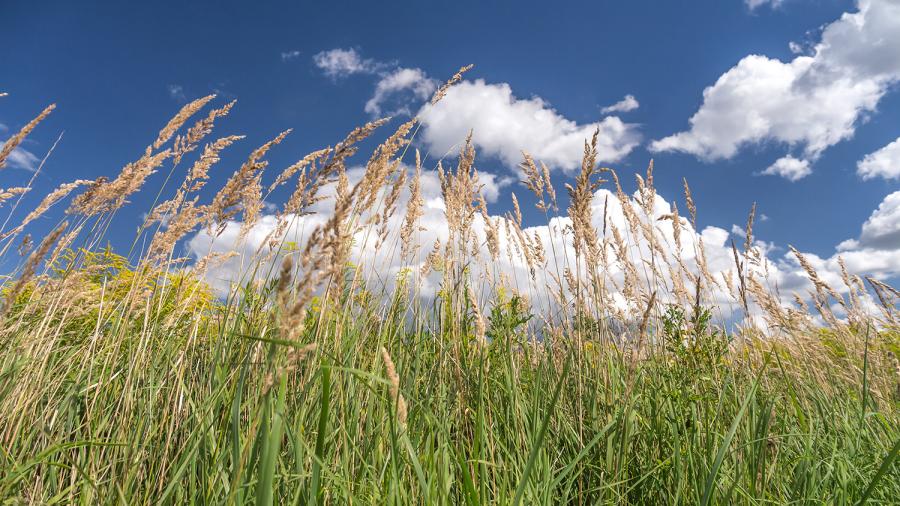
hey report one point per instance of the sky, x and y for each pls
(791, 104)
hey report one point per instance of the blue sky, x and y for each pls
(119, 70)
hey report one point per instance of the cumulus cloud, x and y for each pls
(382, 265)
(629, 103)
(337, 63)
(883, 163)
(293, 54)
(384, 260)
(503, 125)
(881, 231)
(402, 79)
(811, 102)
(789, 168)
(873, 252)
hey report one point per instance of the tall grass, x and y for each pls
(126, 379)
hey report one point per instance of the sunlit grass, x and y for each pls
(130, 381)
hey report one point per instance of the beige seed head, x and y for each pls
(12, 192)
(413, 211)
(548, 185)
(748, 239)
(480, 328)
(516, 210)
(109, 196)
(179, 119)
(14, 141)
(439, 94)
(394, 379)
(53, 197)
(199, 172)
(30, 267)
(690, 203)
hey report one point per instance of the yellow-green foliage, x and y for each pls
(95, 288)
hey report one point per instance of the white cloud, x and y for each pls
(874, 252)
(882, 163)
(364, 252)
(881, 231)
(503, 125)
(293, 54)
(176, 92)
(395, 88)
(811, 102)
(337, 63)
(402, 79)
(381, 265)
(789, 168)
(754, 4)
(629, 103)
(21, 158)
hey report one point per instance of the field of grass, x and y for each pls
(124, 378)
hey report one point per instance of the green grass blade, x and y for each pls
(271, 445)
(726, 443)
(532, 457)
(882, 470)
(315, 495)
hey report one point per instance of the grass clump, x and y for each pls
(598, 367)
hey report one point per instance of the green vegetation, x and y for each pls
(218, 413)
(129, 382)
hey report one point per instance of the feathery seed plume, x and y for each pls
(31, 266)
(480, 327)
(12, 192)
(396, 395)
(413, 211)
(179, 119)
(442, 91)
(17, 139)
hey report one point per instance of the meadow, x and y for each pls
(608, 365)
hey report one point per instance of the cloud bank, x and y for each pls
(809, 103)
(503, 125)
(873, 252)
